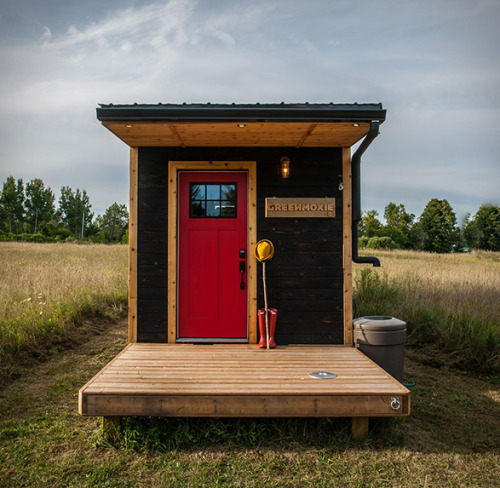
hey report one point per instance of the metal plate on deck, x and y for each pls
(323, 375)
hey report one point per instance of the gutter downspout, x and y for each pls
(356, 194)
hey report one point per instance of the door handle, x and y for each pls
(242, 272)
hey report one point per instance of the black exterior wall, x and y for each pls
(305, 276)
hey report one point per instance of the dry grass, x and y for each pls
(451, 301)
(452, 282)
(450, 439)
(46, 287)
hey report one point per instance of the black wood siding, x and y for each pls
(305, 277)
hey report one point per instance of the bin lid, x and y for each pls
(379, 322)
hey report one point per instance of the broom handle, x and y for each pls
(265, 302)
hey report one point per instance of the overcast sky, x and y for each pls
(434, 64)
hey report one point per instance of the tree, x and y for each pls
(436, 229)
(399, 224)
(114, 222)
(12, 205)
(370, 225)
(483, 231)
(39, 203)
(75, 210)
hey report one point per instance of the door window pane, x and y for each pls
(228, 192)
(228, 209)
(198, 192)
(213, 209)
(198, 209)
(212, 200)
(213, 192)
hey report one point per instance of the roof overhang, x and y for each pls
(282, 125)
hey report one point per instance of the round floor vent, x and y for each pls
(323, 375)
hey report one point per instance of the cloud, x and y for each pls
(150, 22)
(436, 71)
(173, 23)
(156, 52)
(46, 36)
(134, 54)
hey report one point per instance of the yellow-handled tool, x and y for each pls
(264, 250)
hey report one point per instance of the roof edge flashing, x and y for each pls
(248, 113)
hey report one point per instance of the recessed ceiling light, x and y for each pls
(242, 125)
(128, 126)
(355, 125)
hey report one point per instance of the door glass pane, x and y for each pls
(212, 200)
(213, 209)
(198, 209)
(228, 192)
(197, 192)
(228, 209)
(213, 192)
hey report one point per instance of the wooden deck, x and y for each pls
(242, 381)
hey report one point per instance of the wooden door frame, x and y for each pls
(173, 169)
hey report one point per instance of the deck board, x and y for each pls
(241, 380)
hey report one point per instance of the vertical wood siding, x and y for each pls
(305, 277)
(152, 248)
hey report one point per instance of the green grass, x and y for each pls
(164, 435)
(47, 289)
(451, 304)
(452, 437)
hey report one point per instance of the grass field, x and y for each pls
(45, 289)
(452, 437)
(451, 303)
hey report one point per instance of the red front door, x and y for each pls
(213, 241)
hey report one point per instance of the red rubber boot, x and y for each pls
(262, 327)
(273, 317)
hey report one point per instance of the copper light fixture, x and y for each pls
(285, 167)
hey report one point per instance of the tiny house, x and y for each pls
(207, 182)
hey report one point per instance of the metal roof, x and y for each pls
(285, 112)
(251, 125)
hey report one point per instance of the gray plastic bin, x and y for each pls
(382, 339)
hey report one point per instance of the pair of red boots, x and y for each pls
(273, 316)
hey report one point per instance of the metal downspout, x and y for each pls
(356, 197)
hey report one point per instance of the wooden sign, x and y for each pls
(300, 207)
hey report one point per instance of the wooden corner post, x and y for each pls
(132, 246)
(347, 243)
(359, 428)
(111, 428)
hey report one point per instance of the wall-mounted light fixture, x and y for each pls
(285, 167)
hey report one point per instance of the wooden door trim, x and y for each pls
(173, 168)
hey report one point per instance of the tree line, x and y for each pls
(29, 213)
(436, 230)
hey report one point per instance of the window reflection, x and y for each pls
(212, 200)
